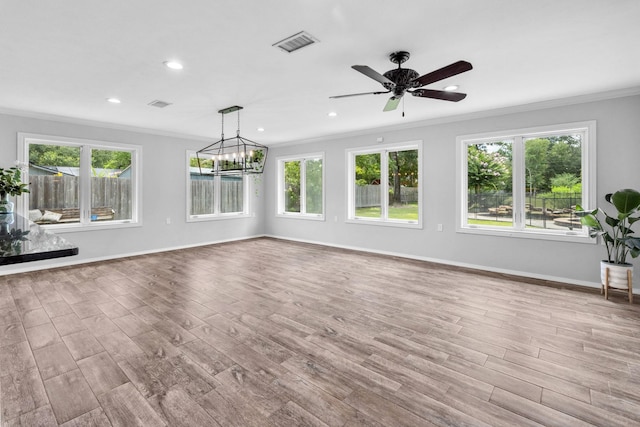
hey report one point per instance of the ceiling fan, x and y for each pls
(402, 80)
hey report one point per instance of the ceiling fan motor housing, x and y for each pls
(403, 79)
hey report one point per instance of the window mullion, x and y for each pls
(351, 202)
(303, 186)
(280, 186)
(384, 185)
(518, 182)
(84, 182)
(246, 208)
(217, 186)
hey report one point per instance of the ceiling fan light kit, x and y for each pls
(405, 80)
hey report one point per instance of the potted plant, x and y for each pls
(618, 237)
(10, 185)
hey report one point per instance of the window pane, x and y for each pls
(111, 189)
(313, 183)
(202, 187)
(292, 186)
(231, 194)
(367, 186)
(489, 178)
(403, 185)
(553, 177)
(54, 183)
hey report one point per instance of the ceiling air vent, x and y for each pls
(159, 104)
(296, 41)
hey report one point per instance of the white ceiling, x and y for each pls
(65, 57)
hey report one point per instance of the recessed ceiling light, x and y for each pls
(113, 100)
(332, 114)
(260, 129)
(451, 88)
(174, 65)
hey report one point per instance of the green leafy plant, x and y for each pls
(11, 183)
(11, 242)
(616, 230)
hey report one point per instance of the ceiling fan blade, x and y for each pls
(392, 103)
(358, 94)
(439, 94)
(444, 72)
(373, 74)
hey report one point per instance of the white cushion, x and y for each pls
(50, 217)
(35, 215)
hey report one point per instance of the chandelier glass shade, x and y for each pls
(232, 156)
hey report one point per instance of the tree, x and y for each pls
(109, 159)
(60, 155)
(565, 159)
(292, 186)
(313, 185)
(536, 163)
(205, 164)
(486, 170)
(566, 183)
(368, 169)
(54, 155)
(403, 172)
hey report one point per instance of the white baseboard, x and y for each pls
(28, 267)
(68, 261)
(452, 263)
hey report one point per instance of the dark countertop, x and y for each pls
(23, 241)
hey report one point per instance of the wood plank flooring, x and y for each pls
(267, 332)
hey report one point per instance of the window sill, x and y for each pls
(293, 215)
(78, 227)
(217, 217)
(568, 236)
(385, 223)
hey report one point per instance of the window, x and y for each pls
(384, 185)
(301, 186)
(213, 197)
(527, 182)
(77, 183)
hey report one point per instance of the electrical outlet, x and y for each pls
(168, 220)
(439, 227)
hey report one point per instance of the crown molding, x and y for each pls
(541, 105)
(521, 108)
(99, 124)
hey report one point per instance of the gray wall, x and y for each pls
(163, 179)
(163, 195)
(618, 153)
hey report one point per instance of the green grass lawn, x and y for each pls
(407, 212)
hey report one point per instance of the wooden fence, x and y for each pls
(202, 200)
(60, 192)
(369, 195)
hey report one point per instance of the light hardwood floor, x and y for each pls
(273, 333)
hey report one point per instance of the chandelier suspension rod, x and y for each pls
(222, 131)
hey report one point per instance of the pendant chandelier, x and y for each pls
(233, 156)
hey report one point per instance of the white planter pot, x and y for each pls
(618, 276)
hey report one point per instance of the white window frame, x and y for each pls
(383, 150)
(280, 205)
(519, 136)
(84, 184)
(216, 215)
